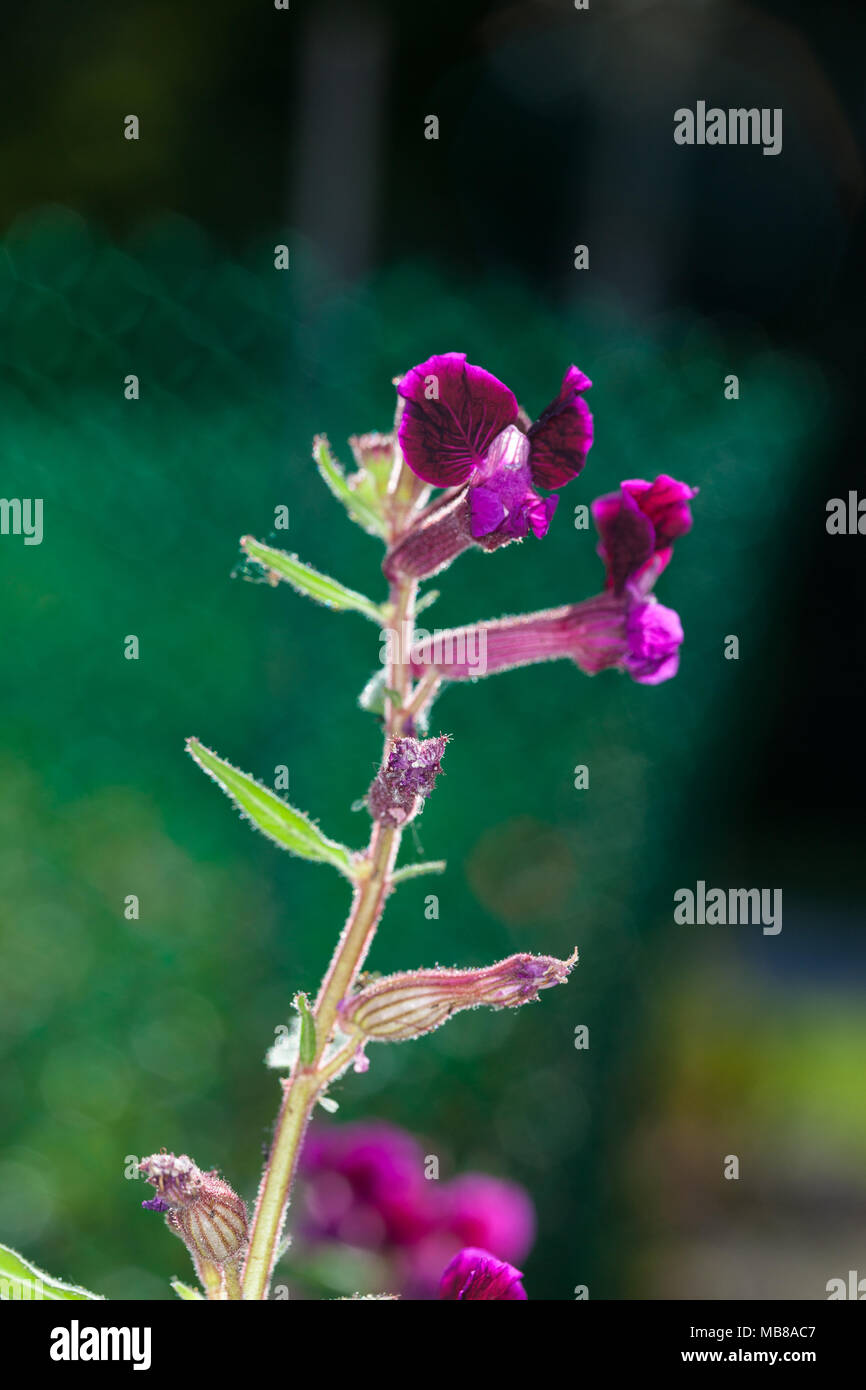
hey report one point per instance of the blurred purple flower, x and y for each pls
(489, 1213)
(476, 1273)
(364, 1186)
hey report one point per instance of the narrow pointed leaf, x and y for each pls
(307, 1046)
(433, 866)
(357, 507)
(19, 1279)
(426, 601)
(290, 829)
(185, 1290)
(308, 581)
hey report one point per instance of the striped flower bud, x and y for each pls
(404, 1006)
(209, 1217)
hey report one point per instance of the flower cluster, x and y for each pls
(462, 430)
(364, 1185)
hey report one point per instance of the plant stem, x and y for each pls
(372, 885)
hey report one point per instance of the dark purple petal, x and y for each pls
(444, 438)
(627, 536)
(654, 635)
(561, 437)
(476, 1274)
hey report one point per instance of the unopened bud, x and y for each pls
(405, 1006)
(405, 779)
(209, 1217)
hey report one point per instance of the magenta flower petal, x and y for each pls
(654, 635)
(666, 503)
(540, 514)
(627, 536)
(486, 511)
(561, 437)
(478, 1274)
(502, 501)
(453, 413)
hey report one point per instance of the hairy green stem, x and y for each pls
(305, 1083)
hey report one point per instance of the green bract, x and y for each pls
(290, 829)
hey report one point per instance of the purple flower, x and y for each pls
(630, 632)
(481, 1211)
(638, 526)
(478, 1274)
(366, 1187)
(654, 635)
(461, 429)
(624, 628)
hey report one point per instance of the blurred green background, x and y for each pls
(118, 1037)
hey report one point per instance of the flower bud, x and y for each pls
(405, 779)
(405, 1006)
(437, 537)
(209, 1217)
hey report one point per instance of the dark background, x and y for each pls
(156, 257)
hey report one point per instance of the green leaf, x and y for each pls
(290, 829)
(307, 1048)
(358, 507)
(186, 1290)
(373, 696)
(426, 601)
(19, 1279)
(432, 866)
(308, 581)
